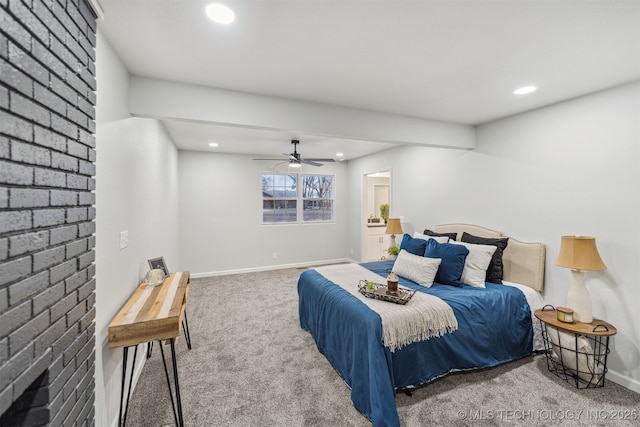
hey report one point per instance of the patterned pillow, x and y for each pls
(416, 268)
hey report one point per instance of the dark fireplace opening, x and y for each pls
(31, 409)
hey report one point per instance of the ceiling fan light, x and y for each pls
(294, 164)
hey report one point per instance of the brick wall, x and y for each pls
(47, 154)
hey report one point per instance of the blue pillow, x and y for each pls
(452, 264)
(413, 246)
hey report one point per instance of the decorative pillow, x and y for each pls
(417, 268)
(452, 264)
(414, 246)
(476, 264)
(495, 270)
(439, 239)
(452, 236)
(566, 346)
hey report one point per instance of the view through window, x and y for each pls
(293, 198)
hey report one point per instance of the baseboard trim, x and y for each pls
(624, 381)
(270, 267)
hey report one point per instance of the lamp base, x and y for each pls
(579, 299)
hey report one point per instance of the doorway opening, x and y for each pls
(376, 205)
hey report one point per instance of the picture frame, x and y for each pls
(159, 264)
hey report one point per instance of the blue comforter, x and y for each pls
(494, 326)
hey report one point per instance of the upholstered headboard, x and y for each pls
(523, 261)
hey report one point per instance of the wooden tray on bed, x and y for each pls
(380, 291)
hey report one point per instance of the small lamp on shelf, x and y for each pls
(579, 253)
(393, 227)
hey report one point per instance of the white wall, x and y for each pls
(221, 212)
(136, 190)
(571, 168)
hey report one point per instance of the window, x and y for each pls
(283, 203)
(279, 198)
(317, 198)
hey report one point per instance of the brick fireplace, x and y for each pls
(47, 155)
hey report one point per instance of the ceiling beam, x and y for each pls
(163, 99)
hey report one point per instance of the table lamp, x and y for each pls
(579, 253)
(393, 227)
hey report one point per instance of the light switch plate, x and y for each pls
(124, 239)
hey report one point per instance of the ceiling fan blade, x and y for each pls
(309, 162)
(295, 158)
(321, 160)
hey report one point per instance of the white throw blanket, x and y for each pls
(422, 317)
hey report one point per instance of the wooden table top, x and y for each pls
(151, 313)
(594, 328)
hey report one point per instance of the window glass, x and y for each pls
(317, 197)
(281, 202)
(279, 198)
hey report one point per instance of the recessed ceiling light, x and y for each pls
(220, 13)
(339, 154)
(213, 144)
(524, 90)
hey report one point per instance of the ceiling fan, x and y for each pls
(296, 161)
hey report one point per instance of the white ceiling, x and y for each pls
(449, 60)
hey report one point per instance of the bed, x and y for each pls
(493, 323)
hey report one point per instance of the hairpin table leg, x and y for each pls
(185, 327)
(166, 373)
(175, 378)
(125, 352)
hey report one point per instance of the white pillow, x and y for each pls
(439, 239)
(564, 345)
(476, 264)
(417, 268)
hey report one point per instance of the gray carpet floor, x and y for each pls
(252, 365)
